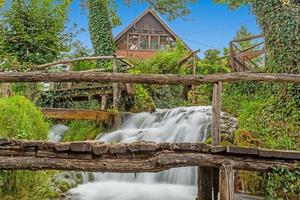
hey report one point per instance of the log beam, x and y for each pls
(127, 158)
(160, 79)
(77, 114)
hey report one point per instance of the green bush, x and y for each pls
(20, 119)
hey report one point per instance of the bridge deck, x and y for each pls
(136, 157)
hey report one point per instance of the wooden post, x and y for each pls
(103, 102)
(193, 86)
(216, 113)
(226, 180)
(208, 183)
(232, 61)
(5, 89)
(70, 84)
(208, 178)
(115, 85)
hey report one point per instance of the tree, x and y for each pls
(34, 30)
(100, 28)
(279, 20)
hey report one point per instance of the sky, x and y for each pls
(209, 26)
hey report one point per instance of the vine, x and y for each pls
(281, 182)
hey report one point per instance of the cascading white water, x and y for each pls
(190, 124)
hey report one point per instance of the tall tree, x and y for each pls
(100, 28)
(34, 30)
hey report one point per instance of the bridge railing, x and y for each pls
(162, 157)
(160, 79)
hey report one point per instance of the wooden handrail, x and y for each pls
(159, 79)
(47, 65)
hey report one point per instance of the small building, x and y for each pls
(146, 35)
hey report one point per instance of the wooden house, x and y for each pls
(147, 34)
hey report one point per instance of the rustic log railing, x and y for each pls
(136, 157)
(159, 79)
(148, 157)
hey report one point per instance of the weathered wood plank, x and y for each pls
(279, 154)
(77, 114)
(242, 150)
(81, 146)
(160, 79)
(217, 149)
(62, 146)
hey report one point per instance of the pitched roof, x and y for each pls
(154, 14)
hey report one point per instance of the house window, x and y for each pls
(144, 44)
(154, 42)
(164, 42)
(133, 41)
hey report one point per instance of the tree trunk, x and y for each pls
(100, 30)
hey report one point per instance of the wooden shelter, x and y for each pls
(146, 35)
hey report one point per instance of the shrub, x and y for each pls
(20, 119)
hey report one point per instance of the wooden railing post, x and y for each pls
(208, 178)
(115, 85)
(232, 60)
(104, 102)
(194, 86)
(226, 182)
(216, 113)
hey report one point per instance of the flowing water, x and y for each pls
(191, 124)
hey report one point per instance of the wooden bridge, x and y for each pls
(144, 156)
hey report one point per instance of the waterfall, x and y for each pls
(57, 132)
(185, 124)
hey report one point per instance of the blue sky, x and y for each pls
(208, 26)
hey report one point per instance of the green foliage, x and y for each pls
(20, 119)
(164, 62)
(210, 64)
(281, 183)
(280, 24)
(82, 130)
(100, 29)
(279, 20)
(34, 30)
(143, 101)
(26, 185)
(262, 123)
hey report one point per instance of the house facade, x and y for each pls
(146, 35)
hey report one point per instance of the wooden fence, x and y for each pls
(168, 157)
